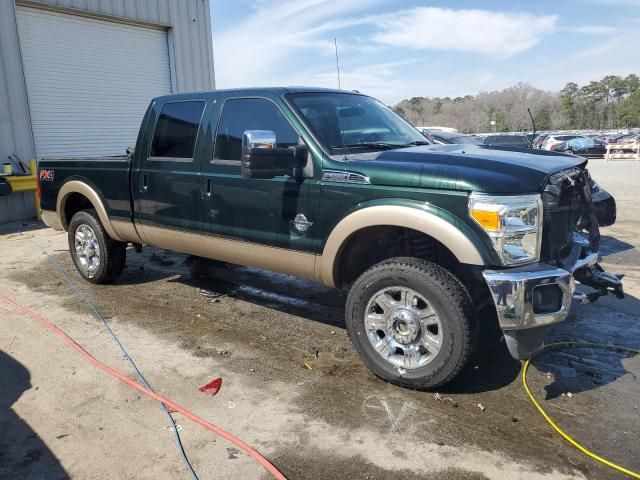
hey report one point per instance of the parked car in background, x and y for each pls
(539, 140)
(613, 137)
(508, 140)
(627, 139)
(444, 138)
(555, 139)
(582, 146)
(439, 129)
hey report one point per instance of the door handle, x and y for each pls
(207, 192)
(145, 183)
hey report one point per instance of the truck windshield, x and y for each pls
(347, 122)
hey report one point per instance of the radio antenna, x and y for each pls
(335, 42)
(533, 137)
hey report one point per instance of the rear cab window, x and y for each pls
(176, 131)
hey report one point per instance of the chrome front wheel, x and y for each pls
(403, 327)
(411, 321)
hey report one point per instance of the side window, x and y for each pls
(176, 130)
(240, 114)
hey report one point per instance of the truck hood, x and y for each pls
(475, 168)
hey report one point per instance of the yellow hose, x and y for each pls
(558, 429)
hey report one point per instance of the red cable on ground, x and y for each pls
(174, 406)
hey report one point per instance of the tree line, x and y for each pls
(612, 102)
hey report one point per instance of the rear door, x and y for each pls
(165, 181)
(260, 211)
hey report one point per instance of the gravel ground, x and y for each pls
(63, 418)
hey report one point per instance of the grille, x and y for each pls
(574, 250)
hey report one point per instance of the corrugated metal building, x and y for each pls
(76, 75)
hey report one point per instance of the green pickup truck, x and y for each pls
(334, 186)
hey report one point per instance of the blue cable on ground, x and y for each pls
(97, 313)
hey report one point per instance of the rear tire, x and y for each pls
(411, 322)
(97, 257)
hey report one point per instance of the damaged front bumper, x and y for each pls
(529, 299)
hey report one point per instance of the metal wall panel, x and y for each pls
(89, 81)
(189, 20)
(189, 30)
(17, 206)
(15, 123)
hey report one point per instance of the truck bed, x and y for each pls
(109, 176)
(103, 158)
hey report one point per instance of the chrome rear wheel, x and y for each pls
(87, 249)
(98, 258)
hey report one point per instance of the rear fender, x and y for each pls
(123, 231)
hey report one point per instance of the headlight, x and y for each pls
(514, 224)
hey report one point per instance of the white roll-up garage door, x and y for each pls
(89, 81)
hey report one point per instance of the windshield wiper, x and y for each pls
(417, 142)
(374, 145)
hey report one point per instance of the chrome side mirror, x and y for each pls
(262, 158)
(258, 139)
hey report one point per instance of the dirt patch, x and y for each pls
(310, 465)
(269, 326)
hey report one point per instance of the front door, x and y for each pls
(277, 212)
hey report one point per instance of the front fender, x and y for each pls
(453, 233)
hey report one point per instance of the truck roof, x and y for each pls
(257, 90)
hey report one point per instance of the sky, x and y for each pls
(397, 49)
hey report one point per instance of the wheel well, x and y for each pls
(371, 245)
(75, 203)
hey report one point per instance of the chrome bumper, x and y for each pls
(513, 294)
(518, 295)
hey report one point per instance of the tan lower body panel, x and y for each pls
(292, 262)
(126, 230)
(50, 219)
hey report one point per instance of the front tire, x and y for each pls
(411, 322)
(97, 257)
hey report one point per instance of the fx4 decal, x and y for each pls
(46, 175)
